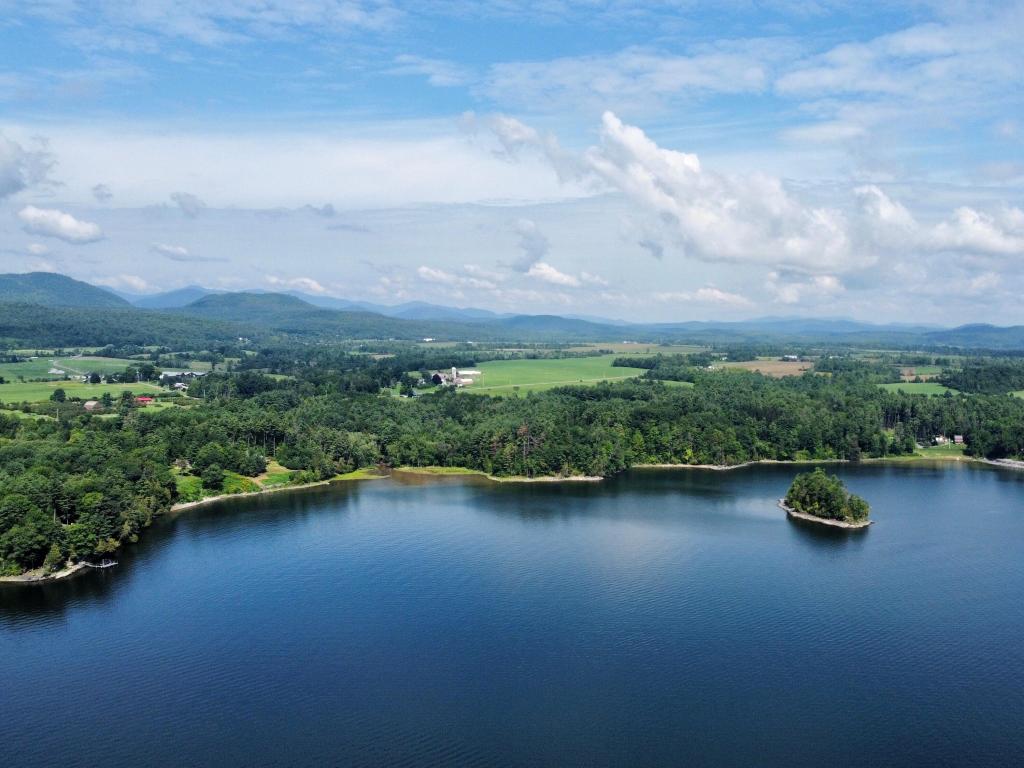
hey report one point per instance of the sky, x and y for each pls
(655, 161)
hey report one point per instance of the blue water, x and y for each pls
(659, 618)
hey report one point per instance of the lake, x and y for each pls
(658, 618)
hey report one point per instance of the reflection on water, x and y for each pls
(661, 617)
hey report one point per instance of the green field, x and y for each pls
(39, 368)
(502, 377)
(1019, 393)
(923, 388)
(38, 391)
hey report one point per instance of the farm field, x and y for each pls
(38, 391)
(771, 366)
(923, 388)
(39, 368)
(511, 376)
(909, 373)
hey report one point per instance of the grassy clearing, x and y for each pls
(1019, 393)
(365, 473)
(190, 488)
(276, 475)
(39, 368)
(948, 452)
(507, 377)
(922, 388)
(771, 366)
(38, 391)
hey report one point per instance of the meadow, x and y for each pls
(511, 376)
(39, 367)
(38, 391)
(771, 366)
(921, 388)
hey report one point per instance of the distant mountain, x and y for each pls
(413, 310)
(979, 336)
(49, 289)
(172, 299)
(419, 310)
(248, 307)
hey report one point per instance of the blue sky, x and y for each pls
(645, 160)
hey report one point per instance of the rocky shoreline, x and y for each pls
(842, 524)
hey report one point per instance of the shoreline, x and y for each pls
(465, 472)
(841, 524)
(31, 577)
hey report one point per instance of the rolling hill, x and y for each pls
(50, 289)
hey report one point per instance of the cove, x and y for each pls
(659, 617)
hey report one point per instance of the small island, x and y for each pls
(820, 498)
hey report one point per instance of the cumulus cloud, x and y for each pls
(787, 289)
(442, 277)
(38, 249)
(51, 222)
(967, 230)
(102, 193)
(709, 294)
(757, 219)
(718, 217)
(307, 284)
(20, 168)
(548, 274)
(189, 204)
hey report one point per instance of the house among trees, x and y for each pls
(91, 405)
(958, 439)
(454, 378)
(142, 402)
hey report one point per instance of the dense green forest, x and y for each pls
(816, 493)
(74, 484)
(986, 376)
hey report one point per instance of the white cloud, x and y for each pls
(51, 222)
(548, 274)
(965, 231)
(709, 294)
(795, 291)
(717, 217)
(38, 249)
(307, 284)
(441, 277)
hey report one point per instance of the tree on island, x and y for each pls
(815, 493)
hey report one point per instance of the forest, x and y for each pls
(821, 495)
(75, 485)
